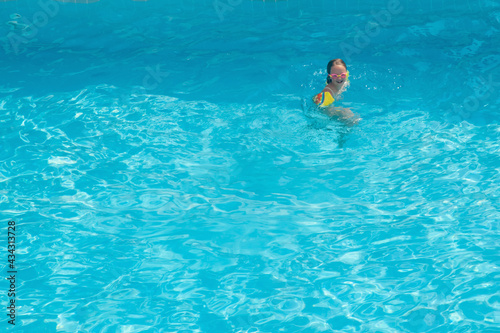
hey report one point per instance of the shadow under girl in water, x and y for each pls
(337, 82)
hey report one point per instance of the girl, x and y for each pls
(336, 83)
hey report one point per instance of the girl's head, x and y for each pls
(337, 72)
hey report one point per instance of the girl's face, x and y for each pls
(339, 79)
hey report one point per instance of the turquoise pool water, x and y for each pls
(168, 172)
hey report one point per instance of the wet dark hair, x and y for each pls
(332, 63)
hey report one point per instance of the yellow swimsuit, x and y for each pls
(323, 99)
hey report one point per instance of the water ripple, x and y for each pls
(194, 207)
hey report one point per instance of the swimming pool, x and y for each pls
(167, 171)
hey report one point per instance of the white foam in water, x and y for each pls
(351, 258)
(60, 161)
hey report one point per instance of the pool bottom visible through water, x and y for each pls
(168, 171)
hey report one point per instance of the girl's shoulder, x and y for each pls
(324, 98)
